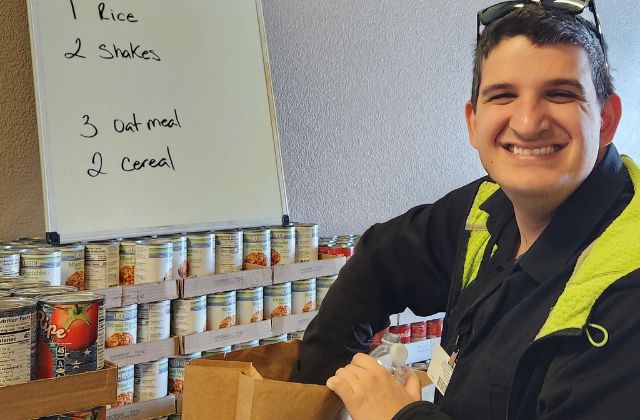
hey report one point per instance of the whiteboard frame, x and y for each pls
(52, 229)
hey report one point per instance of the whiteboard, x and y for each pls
(154, 116)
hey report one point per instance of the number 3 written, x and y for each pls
(92, 128)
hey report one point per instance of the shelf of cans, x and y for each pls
(419, 334)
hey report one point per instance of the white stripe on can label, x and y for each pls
(306, 242)
(249, 305)
(18, 320)
(283, 245)
(127, 262)
(188, 315)
(228, 251)
(121, 326)
(101, 265)
(151, 380)
(322, 287)
(41, 265)
(221, 310)
(277, 300)
(124, 386)
(179, 263)
(219, 350)
(245, 345)
(303, 296)
(256, 248)
(154, 260)
(154, 321)
(273, 340)
(72, 266)
(9, 262)
(176, 371)
(201, 254)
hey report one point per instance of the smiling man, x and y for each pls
(537, 265)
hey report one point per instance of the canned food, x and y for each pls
(403, 330)
(124, 386)
(249, 305)
(273, 340)
(277, 300)
(306, 242)
(377, 338)
(179, 260)
(303, 296)
(176, 371)
(298, 335)
(34, 292)
(71, 334)
(9, 262)
(219, 350)
(101, 263)
(17, 340)
(228, 251)
(188, 315)
(154, 261)
(221, 310)
(340, 250)
(121, 326)
(150, 380)
(257, 248)
(322, 287)
(127, 262)
(72, 265)
(283, 245)
(201, 254)
(11, 279)
(154, 321)
(23, 284)
(418, 331)
(41, 264)
(434, 328)
(246, 345)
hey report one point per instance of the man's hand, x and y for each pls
(369, 392)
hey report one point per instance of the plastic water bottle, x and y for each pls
(392, 354)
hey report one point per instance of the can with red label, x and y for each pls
(71, 334)
(434, 328)
(377, 338)
(418, 331)
(403, 330)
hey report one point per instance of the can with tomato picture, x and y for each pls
(71, 334)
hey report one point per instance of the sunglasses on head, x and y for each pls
(573, 7)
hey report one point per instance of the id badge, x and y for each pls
(441, 368)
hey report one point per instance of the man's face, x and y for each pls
(537, 122)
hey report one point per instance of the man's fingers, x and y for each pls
(365, 361)
(413, 386)
(342, 388)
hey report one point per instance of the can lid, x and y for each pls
(42, 291)
(72, 297)
(16, 302)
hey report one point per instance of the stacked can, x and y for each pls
(34, 292)
(125, 386)
(188, 315)
(177, 365)
(403, 330)
(418, 331)
(322, 287)
(127, 262)
(250, 305)
(72, 265)
(277, 300)
(256, 248)
(150, 380)
(154, 261)
(18, 319)
(306, 242)
(273, 340)
(221, 310)
(434, 328)
(303, 296)
(377, 338)
(229, 251)
(41, 264)
(154, 321)
(179, 260)
(9, 261)
(121, 326)
(283, 245)
(245, 345)
(101, 264)
(343, 246)
(201, 254)
(219, 350)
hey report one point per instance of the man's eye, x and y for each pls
(562, 95)
(501, 97)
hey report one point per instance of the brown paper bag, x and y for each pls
(251, 384)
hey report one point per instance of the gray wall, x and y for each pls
(370, 98)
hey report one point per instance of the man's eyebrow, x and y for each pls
(566, 82)
(496, 86)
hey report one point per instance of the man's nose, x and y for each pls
(530, 118)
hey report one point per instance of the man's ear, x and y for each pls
(470, 116)
(610, 115)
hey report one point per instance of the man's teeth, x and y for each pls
(527, 152)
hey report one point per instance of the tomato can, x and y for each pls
(277, 300)
(179, 259)
(221, 310)
(201, 254)
(283, 245)
(306, 242)
(121, 326)
(124, 386)
(404, 330)
(17, 340)
(41, 264)
(273, 340)
(9, 262)
(188, 315)
(154, 321)
(303, 296)
(298, 335)
(177, 365)
(228, 251)
(341, 250)
(322, 287)
(256, 248)
(154, 259)
(71, 333)
(101, 263)
(418, 331)
(434, 328)
(219, 350)
(377, 338)
(245, 345)
(150, 380)
(72, 265)
(127, 262)
(249, 305)
(35, 292)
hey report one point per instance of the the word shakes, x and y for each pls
(134, 125)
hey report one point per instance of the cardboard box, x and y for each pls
(160, 407)
(216, 283)
(143, 352)
(291, 323)
(252, 384)
(225, 337)
(47, 397)
(307, 270)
